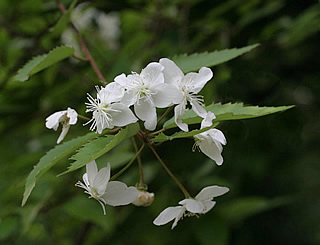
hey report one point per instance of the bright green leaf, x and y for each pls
(100, 146)
(228, 111)
(39, 63)
(51, 158)
(195, 61)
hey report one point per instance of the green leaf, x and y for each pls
(63, 21)
(195, 61)
(162, 137)
(41, 62)
(238, 210)
(228, 111)
(100, 146)
(51, 158)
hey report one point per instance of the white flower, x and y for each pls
(189, 85)
(97, 185)
(190, 207)
(146, 91)
(107, 111)
(66, 118)
(210, 142)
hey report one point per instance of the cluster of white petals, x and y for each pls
(66, 118)
(147, 91)
(189, 86)
(97, 185)
(107, 110)
(159, 85)
(201, 204)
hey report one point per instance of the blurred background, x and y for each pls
(271, 164)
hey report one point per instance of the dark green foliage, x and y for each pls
(271, 164)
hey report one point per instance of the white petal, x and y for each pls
(53, 120)
(101, 180)
(117, 193)
(129, 98)
(73, 116)
(204, 75)
(198, 109)
(169, 214)
(172, 73)
(146, 112)
(65, 129)
(152, 74)
(122, 80)
(92, 171)
(113, 93)
(208, 205)
(217, 135)
(182, 211)
(178, 112)
(122, 116)
(166, 95)
(207, 122)
(210, 149)
(192, 205)
(209, 192)
(86, 179)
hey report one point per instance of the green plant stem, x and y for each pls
(157, 132)
(128, 165)
(164, 114)
(185, 192)
(84, 118)
(139, 162)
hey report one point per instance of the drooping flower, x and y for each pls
(201, 204)
(107, 111)
(66, 118)
(210, 142)
(147, 91)
(97, 185)
(189, 85)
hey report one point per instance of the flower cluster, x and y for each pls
(159, 85)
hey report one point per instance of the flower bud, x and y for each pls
(144, 199)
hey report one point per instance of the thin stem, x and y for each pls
(164, 114)
(128, 165)
(158, 132)
(83, 46)
(79, 58)
(139, 162)
(185, 192)
(83, 117)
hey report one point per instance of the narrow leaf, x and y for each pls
(228, 111)
(50, 159)
(100, 146)
(195, 61)
(39, 63)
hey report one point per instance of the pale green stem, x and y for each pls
(165, 113)
(157, 132)
(185, 192)
(83, 117)
(128, 165)
(139, 162)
